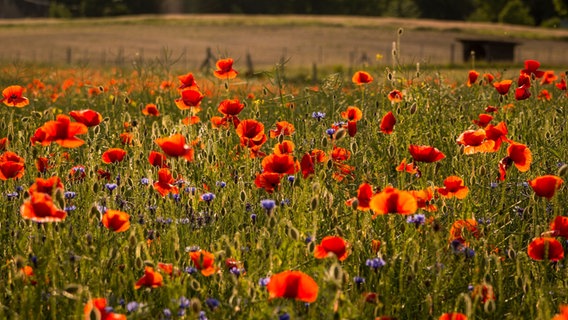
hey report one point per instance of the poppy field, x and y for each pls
(171, 194)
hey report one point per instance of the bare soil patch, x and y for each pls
(300, 40)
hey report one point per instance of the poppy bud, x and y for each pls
(562, 170)
(314, 203)
(148, 263)
(339, 134)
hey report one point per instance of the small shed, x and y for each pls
(488, 50)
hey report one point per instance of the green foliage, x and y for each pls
(515, 12)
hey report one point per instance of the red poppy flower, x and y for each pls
(190, 99)
(425, 153)
(453, 187)
(342, 171)
(548, 77)
(113, 155)
(187, 81)
(559, 227)
(524, 80)
(472, 77)
(411, 168)
(116, 221)
(96, 308)
(47, 186)
(334, 245)
(483, 120)
(392, 200)
(395, 96)
(42, 164)
(11, 166)
(281, 164)
(268, 181)
(563, 315)
(545, 248)
(230, 109)
(225, 69)
(531, 68)
(39, 207)
(151, 110)
(40, 136)
(251, 133)
(361, 77)
(63, 131)
(423, 199)
(387, 123)
(293, 285)
(544, 95)
(546, 186)
(157, 159)
(561, 85)
(12, 97)
(151, 279)
(503, 86)
(175, 146)
(191, 120)
(284, 128)
(285, 147)
(488, 77)
(3, 144)
(483, 292)
(219, 122)
(164, 185)
(520, 155)
(475, 141)
(126, 138)
(522, 93)
(203, 261)
(461, 228)
(453, 316)
(352, 115)
(339, 154)
(307, 165)
(88, 117)
(364, 195)
(497, 133)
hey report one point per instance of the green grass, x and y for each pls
(79, 259)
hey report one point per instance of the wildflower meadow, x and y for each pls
(151, 192)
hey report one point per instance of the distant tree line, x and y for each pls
(549, 13)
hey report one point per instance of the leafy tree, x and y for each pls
(516, 12)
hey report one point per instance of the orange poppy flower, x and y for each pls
(190, 99)
(475, 141)
(225, 69)
(545, 248)
(352, 115)
(544, 95)
(40, 136)
(561, 85)
(88, 117)
(546, 186)
(453, 316)
(151, 279)
(175, 146)
(285, 147)
(361, 77)
(392, 200)
(281, 164)
(251, 133)
(503, 86)
(472, 77)
(62, 131)
(453, 187)
(364, 194)
(187, 81)
(3, 144)
(423, 198)
(522, 93)
(293, 285)
(387, 123)
(219, 122)
(284, 128)
(559, 227)
(268, 181)
(339, 154)
(47, 186)
(331, 245)
(151, 110)
(157, 159)
(520, 155)
(39, 207)
(488, 77)
(531, 68)
(96, 308)
(548, 77)
(191, 120)
(497, 133)
(113, 155)
(411, 168)
(461, 228)
(42, 164)
(484, 292)
(11, 166)
(395, 96)
(342, 171)
(425, 153)
(164, 185)
(126, 138)
(483, 120)
(12, 97)
(203, 261)
(116, 221)
(563, 315)
(230, 109)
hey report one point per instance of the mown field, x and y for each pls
(155, 191)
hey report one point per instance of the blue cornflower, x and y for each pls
(375, 263)
(70, 208)
(145, 181)
(167, 313)
(330, 132)
(284, 316)
(291, 178)
(268, 204)
(263, 282)
(184, 302)
(111, 186)
(207, 197)
(221, 184)
(212, 303)
(132, 306)
(359, 280)
(318, 115)
(12, 195)
(69, 194)
(418, 219)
